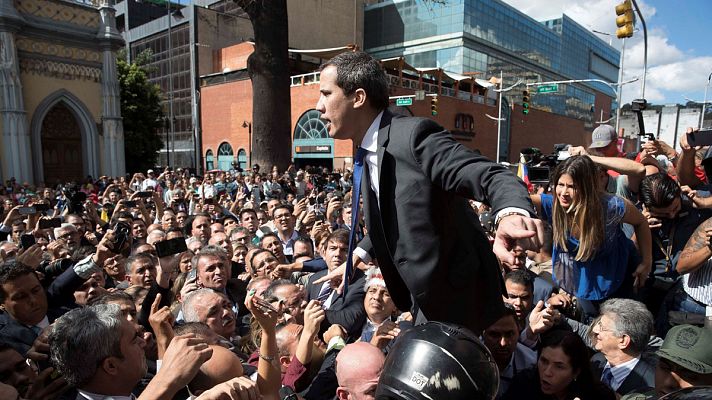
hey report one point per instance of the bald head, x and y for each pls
(358, 367)
(222, 366)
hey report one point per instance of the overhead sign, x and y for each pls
(404, 101)
(313, 149)
(547, 88)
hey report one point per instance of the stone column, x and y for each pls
(16, 154)
(113, 159)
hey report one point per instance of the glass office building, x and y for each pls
(489, 37)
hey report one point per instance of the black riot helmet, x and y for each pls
(438, 360)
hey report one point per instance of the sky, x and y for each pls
(679, 53)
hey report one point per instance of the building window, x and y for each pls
(225, 156)
(242, 159)
(209, 164)
(310, 126)
(465, 122)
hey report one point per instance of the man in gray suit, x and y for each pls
(621, 336)
(415, 184)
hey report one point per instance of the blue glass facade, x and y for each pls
(489, 36)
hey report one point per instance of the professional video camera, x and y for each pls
(541, 165)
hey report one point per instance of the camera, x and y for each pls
(75, 199)
(122, 231)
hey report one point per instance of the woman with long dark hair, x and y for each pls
(592, 257)
(563, 372)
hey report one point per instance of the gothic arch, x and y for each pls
(88, 129)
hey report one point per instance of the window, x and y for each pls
(209, 165)
(310, 126)
(242, 158)
(225, 156)
(465, 122)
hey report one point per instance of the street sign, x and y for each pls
(547, 88)
(404, 101)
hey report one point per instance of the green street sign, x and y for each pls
(404, 101)
(547, 88)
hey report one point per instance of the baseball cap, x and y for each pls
(602, 136)
(689, 347)
(150, 171)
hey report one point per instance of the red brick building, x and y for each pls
(226, 113)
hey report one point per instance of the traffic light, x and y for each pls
(434, 105)
(625, 19)
(525, 102)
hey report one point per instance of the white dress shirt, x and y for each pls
(621, 371)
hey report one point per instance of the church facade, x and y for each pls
(60, 114)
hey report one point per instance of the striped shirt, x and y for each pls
(698, 283)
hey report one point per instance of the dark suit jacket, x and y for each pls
(346, 310)
(640, 379)
(426, 237)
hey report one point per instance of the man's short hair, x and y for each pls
(658, 190)
(266, 235)
(190, 314)
(339, 236)
(282, 206)
(248, 210)
(276, 285)
(208, 251)
(111, 297)
(307, 241)
(188, 226)
(136, 257)
(358, 70)
(65, 226)
(521, 277)
(199, 329)
(630, 318)
(84, 337)
(9, 272)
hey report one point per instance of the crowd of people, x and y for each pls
(166, 285)
(94, 305)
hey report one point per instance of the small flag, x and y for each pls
(523, 174)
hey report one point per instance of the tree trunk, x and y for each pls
(268, 67)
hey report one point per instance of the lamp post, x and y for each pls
(704, 102)
(170, 82)
(248, 125)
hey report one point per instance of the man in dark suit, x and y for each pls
(416, 181)
(343, 309)
(621, 336)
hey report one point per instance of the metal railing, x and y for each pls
(412, 84)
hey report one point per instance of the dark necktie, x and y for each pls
(355, 194)
(324, 294)
(607, 377)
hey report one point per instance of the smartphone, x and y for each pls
(41, 207)
(130, 203)
(27, 210)
(192, 276)
(170, 247)
(144, 195)
(27, 240)
(50, 223)
(703, 137)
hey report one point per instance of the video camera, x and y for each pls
(541, 165)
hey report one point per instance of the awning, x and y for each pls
(324, 53)
(397, 63)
